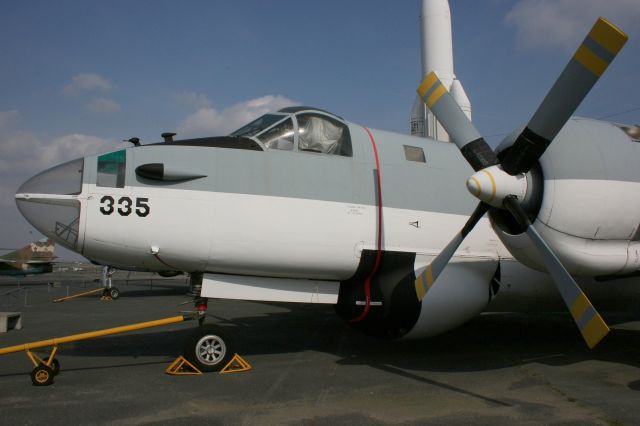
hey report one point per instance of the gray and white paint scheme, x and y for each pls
(301, 205)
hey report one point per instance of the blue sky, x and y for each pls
(79, 76)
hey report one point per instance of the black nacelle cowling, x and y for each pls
(463, 291)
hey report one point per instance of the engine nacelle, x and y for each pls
(462, 291)
(589, 208)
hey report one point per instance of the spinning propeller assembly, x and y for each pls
(501, 184)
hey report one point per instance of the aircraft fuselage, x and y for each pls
(278, 213)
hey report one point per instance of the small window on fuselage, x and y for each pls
(414, 153)
(111, 169)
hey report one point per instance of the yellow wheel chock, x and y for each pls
(236, 365)
(46, 368)
(182, 367)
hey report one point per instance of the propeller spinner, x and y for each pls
(502, 185)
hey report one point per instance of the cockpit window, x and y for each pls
(111, 169)
(280, 136)
(319, 133)
(258, 125)
(305, 131)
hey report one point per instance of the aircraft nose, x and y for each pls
(49, 202)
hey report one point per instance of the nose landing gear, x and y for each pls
(109, 290)
(208, 347)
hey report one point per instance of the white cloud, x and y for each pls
(68, 147)
(209, 121)
(564, 23)
(102, 106)
(87, 83)
(24, 153)
(18, 153)
(9, 118)
(192, 100)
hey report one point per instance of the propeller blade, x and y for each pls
(591, 325)
(592, 58)
(425, 277)
(472, 145)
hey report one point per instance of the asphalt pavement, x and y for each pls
(309, 367)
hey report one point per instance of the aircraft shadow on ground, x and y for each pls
(488, 342)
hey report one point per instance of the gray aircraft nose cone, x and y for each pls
(47, 202)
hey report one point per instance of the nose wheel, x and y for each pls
(208, 348)
(112, 292)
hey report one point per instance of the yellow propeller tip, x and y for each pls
(608, 35)
(594, 331)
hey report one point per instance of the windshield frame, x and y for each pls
(254, 128)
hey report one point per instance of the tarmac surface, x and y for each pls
(309, 367)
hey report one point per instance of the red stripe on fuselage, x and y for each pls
(376, 265)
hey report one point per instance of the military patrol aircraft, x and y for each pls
(34, 258)
(302, 205)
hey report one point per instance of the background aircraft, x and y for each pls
(32, 259)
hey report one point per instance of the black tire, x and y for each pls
(208, 348)
(55, 367)
(42, 375)
(113, 293)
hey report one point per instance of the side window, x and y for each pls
(279, 136)
(318, 133)
(414, 153)
(111, 169)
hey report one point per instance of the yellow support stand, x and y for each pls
(236, 365)
(91, 335)
(46, 368)
(106, 298)
(182, 367)
(73, 296)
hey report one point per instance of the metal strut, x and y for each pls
(199, 302)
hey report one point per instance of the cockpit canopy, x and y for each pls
(300, 129)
